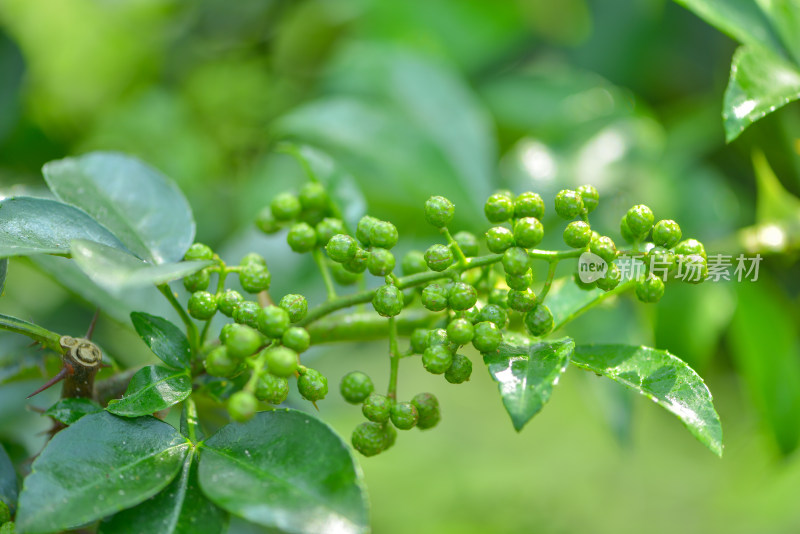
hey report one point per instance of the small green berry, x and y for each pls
(589, 196)
(611, 279)
(419, 340)
(438, 257)
(688, 247)
(693, 268)
(312, 385)
(197, 281)
(640, 220)
(413, 263)
(380, 262)
(369, 438)
(585, 286)
(604, 247)
(468, 243)
(228, 301)
(667, 233)
(272, 389)
(356, 387)
(242, 406)
(296, 338)
(487, 337)
(199, 252)
(625, 231)
(341, 248)
(460, 331)
(266, 221)
(285, 207)
(428, 408)
(360, 261)
(660, 259)
(342, 276)
(364, 228)
(437, 336)
(202, 305)
(521, 301)
(499, 297)
(437, 359)
(404, 415)
(226, 330)
(439, 211)
(254, 278)
(494, 314)
(301, 237)
(499, 239)
(577, 234)
(273, 321)
(281, 361)
(569, 204)
(377, 408)
(383, 234)
(539, 321)
(529, 205)
(520, 282)
(472, 314)
(462, 296)
(650, 289)
(295, 305)
(246, 313)
(499, 208)
(242, 342)
(528, 232)
(459, 371)
(219, 363)
(253, 258)
(313, 196)
(516, 261)
(327, 228)
(388, 301)
(434, 297)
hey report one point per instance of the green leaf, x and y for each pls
(761, 82)
(785, 18)
(152, 389)
(47, 338)
(42, 226)
(764, 340)
(180, 508)
(3, 273)
(527, 374)
(116, 271)
(661, 377)
(773, 202)
(141, 206)
(68, 411)
(287, 470)
(566, 298)
(8, 481)
(166, 340)
(100, 465)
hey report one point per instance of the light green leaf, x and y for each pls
(116, 271)
(152, 389)
(70, 410)
(661, 377)
(785, 18)
(285, 470)
(773, 202)
(526, 375)
(180, 508)
(761, 82)
(137, 203)
(566, 298)
(47, 338)
(8, 481)
(100, 465)
(42, 226)
(166, 340)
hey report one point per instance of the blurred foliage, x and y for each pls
(458, 98)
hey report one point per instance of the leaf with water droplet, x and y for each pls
(68, 411)
(152, 388)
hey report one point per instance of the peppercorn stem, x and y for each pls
(394, 359)
(621, 288)
(191, 328)
(462, 259)
(326, 275)
(551, 273)
(221, 275)
(191, 418)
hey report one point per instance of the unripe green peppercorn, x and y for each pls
(369, 438)
(242, 406)
(364, 228)
(576, 277)
(611, 279)
(568, 203)
(516, 261)
(472, 314)
(254, 278)
(640, 220)
(198, 252)
(604, 247)
(404, 415)
(253, 258)
(439, 211)
(383, 234)
(313, 196)
(377, 408)
(312, 385)
(468, 243)
(327, 228)
(197, 281)
(520, 282)
(388, 301)
(360, 261)
(413, 263)
(494, 314)
(437, 336)
(459, 371)
(296, 338)
(650, 289)
(342, 276)
(626, 233)
(272, 389)
(688, 247)
(341, 248)
(281, 361)
(273, 321)
(589, 196)
(228, 301)
(539, 321)
(577, 234)
(301, 237)
(499, 297)
(487, 337)
(246, 313)
(437, 359)
(460, 331)
(499, 239)
(202, 305)
(226, 330)
(693, 268)
(380, 262)
(529, 205)
(219, 363)
(660, 259)
(285, 207)
(356, 387)
(434, 297)
(242, 342)
(666, 233)
(428, 409)
(462, 296)
(419, 340)
(266, 221)
(499, 208)
(295, 305)
(521, 301)
(438, 257)
(528, 232)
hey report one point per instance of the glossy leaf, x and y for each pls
(152, 389)
(47, 338)
(8, 480)
(286, 470)
(69, 411)
(761, 82)
(100, 465)
(661, 377)
(42, 226)
(141, 206)
(566, 298)
(166, 340)
(180, 508)
(116, 271)
(526, 375)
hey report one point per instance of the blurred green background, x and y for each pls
(458, 98)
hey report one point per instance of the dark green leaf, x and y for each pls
(68, 411)
(144, 208)
(761, 82)
(526, 375)
(47, 338)
(287, 470)
(8, 481)
(152, 389)
(164, 338)
(566, 298)
(116, 271)
(3, 273)
(41, 226)
(661, 377)
(180, 508)
(100, 465)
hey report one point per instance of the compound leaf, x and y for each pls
(166, 340)
(151, 389)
